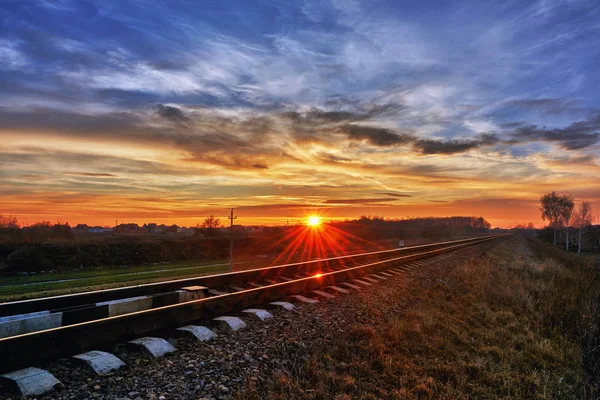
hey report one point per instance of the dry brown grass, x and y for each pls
(503, 326)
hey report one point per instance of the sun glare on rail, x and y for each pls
(314, 221)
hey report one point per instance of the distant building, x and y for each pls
(81, 228)
(129, 229)
(99, 229)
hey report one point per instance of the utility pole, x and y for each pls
(231, 218)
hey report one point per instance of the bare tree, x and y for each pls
(566, 211)
(581, 221)
(210, 225)
(8, 221)
(551, 207)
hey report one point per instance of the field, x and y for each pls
(41, 284)
(518, 322)
(57, 283)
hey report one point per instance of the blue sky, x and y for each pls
(308, 93)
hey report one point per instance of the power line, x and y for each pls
(231, 218)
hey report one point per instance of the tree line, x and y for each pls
(560, 212)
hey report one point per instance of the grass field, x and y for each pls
(22, 287)
(504, 326)
(50, 284)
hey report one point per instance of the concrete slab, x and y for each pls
(285, 279)
(216, 292)
(31, 381)
(257, 313)
(127, 306)
(337, 289)
(298, 276)
(392, 273)
(237, 288)
(190, 293)
(100, 362)
(369, 279)
(302, 299)
(380, 277)
(351, 286)
(32, 322)
(323, 294)
(156, 347)
(364, 283)
(201, 333)
(385, 274)
(271, 281)
(233, 323)
(282, 304)
(254, 284)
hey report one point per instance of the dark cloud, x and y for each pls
(107, 125)
(171, 113)
(260, 166)
(317, 116)
(376, 136)
(511, 125)
(430, 146)
(578, 135)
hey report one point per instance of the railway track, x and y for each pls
(94, 320)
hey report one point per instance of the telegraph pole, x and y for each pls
(231, 218)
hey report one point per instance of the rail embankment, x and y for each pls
(517, 321)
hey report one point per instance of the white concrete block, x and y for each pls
(32, 381)
(361, 282)
(282, 304)
(157, 347)
(233, 323)
(201, 333)
(351, 286)
(190, 293)
(323, 294)
(338, 289)
(32, 322)
(302, 299)
(257, 313)
(380, 277)
(385, 274)
(100, 362)
(369, 279)
(127, 306)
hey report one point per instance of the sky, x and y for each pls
(168, 111)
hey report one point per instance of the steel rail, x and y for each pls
(20, 351)
(212, 281)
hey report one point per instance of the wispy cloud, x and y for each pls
(338, 99)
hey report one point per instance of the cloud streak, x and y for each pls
(319, 104)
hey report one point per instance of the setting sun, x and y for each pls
(314, 221)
